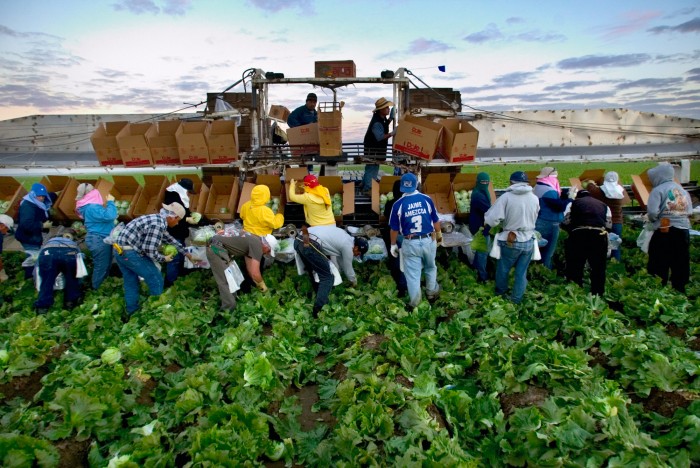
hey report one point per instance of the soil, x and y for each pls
(599, 357)
(402, 380)
(74, 454)
(675, 331)
(172, 368)
(25, 386)
(447, 317)
(666, 403)
(373, 342)
(435, 412)
(145, 397)
(340, 372)
(694, 343)
(532, 396)
(308, 397)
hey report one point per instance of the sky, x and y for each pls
(153, 56)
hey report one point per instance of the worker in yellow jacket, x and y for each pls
(316, 200)
(258, 218)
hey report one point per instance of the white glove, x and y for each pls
(438, 237)
(3, 275)
(190, 220)
(110, 197)
(47, 224)
(394, 250)
(167, 258)
(572, 193)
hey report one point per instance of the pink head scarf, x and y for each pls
(93, 196)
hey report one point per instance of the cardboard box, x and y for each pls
(303, 140)
(335, 69)
(56, 184)
(126, 188)
(335, 184)
(150, 199)
(222, 198)
(642, 186)
(162, 143)
(104, 142)
(198, 199)
(192, 143)
(468, 182)
(65, 204)
(133, 146)
(222, 141)
(12, 192)
(589, 174)
(273, 182)
(417, 137)
(531, 177)
(382, 187)
(438, 187)
(280, 113)
(330, 129)
(459, 140)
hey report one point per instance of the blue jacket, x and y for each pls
(99, 219)
(480, 204)
(551, 206)
(302, 116)
(29, 227)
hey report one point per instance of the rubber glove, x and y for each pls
(261, 286)
(47, 224)
(190, 220)
(438, 237)
(168, 258)
(572, 193)
(110, 197)
(394, 250)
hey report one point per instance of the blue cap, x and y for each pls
(409, 183)
(518, 176)
(39, 190)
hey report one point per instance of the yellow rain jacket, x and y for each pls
(316, 212)
(257, 218)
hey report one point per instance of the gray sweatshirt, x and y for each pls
(516, 210)
(668, 199)
(337, 244)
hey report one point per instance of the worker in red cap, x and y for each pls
(316, 200)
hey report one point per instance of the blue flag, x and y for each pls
(442, 68)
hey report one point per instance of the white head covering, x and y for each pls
(272, 242)
(83, 189)
(611, 188)
(182, 191)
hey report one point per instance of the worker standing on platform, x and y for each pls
(316, 200)
(304, 115)
(377, 140)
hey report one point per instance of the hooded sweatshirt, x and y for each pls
(480, 202)
(551, 206)
(668, 199)
(316, 211)
(516, 210)
(258, 218)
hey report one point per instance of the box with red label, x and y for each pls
(133, 146)
(304, 139)
(104, 141)
(11, 193)
(458, 142)
(222, 198)
(222, 141)
(162, 143)
(150, 199)
(192, 143)
(417, 137)
(335, 69)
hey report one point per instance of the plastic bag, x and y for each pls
(112, 237)
(495, 250)
(479, 242)
(536, 255)
(377, 249)
(645, 237)
(337, 279)
(286, 252)
(199, 255)
(234, 277)
(80, 268)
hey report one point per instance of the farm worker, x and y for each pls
(222, 250)
(393, 262)
(179, 193)
(304, 115)
(613, 195)
(669, 208)
(258, 218)
(376, 140)
(137, 249)
(7, 225)
(552, 207)
(415, 217)
(58, 255)
(478, 206)
(99, 222)
(586, 220)
(316, 200)
(516, 211)
(33, 217)
(317, 247)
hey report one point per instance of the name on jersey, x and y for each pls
(415, 209)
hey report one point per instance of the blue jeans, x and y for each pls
(419, 255)
(314, 260)
(617, 253)
(549, 231)
(52, 261)
(101, 258)
(132, 266)
(518, 256)
(371, 173)
(481, 260)
(173, 268)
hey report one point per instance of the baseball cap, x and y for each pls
(518, 176)
(272, 242)
(362, 245)
(409, 182)
(7, 221)
(547, 172)
(311, 181)
(187, 184)
(311, 97)
(39, 190)
(177, 209)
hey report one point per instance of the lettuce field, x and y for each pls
(564, 379)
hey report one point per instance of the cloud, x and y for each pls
(631, 22)
(113, 74)
(537, 36)
(515, 20)
(514, 79)
(192, 86)
(692, 26)
(651, 83)
(570, 85)
(603, 61)
(275, 6)
(138, 7)
(490, 33)
(5, 31)
(427, 46)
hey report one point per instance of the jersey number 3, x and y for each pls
(417, 223)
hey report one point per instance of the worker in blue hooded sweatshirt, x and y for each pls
(33, 217)
(478, 206)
